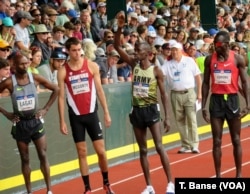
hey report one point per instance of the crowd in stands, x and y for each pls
(40, 28)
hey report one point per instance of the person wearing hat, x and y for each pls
(132, 21)
(36, 13)
(62, 12)
(71, 14)
(110, 70)
(151, 35)
(22, 40)
(52, 13)
(40, 40)
(5, 49)
(193, 35)
(212, 32)
(7, 32)
(57, 59)
(184, 82)
(99, 18)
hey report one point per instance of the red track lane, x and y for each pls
(127, 178)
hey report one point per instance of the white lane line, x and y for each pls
(176, 162)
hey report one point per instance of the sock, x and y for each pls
(86, 182)
(105, 178)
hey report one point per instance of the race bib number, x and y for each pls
(79, 84)
(140, 89)
(222, 76)
(25, 103)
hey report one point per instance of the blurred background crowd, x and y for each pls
(39, 29)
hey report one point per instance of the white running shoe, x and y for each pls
(170, 188)
(149, 190)
(49, 192)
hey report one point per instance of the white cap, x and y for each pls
(142, 19)
(151, 31)
(177, 45)
(133, 15)
(199, 44)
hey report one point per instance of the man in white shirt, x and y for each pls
(183, 77)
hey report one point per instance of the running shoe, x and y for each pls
(49, 192)
(184, 150)
(148, 190)
(195, 151)
(107, 189)
(170, 188)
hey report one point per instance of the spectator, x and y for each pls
(107, 35)
(52, 14)
(132, 21)
(182, 37)
(86, 27)
(69, 30)
(110, 70)
(5, 49)
(4, 69)
(77, 32)
(41, 34)
(4, 74)
(45, 20)
(151, 36)
(133, 38)
(35, 59)
(142, 31)
(99, 18)
(22, 41)
(36, 14)
(193, 35)
(62, 18)
(181, 80)
(57, 35)
(7, 32)
(57, 59)
(71, 14)
(10, 12)
(3, 9)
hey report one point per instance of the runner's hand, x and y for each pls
(244, 113)
(205, 116)
(63, 128)
(107, 120)
(120, 19)
(166, 124)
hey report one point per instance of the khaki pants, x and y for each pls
(183, 105)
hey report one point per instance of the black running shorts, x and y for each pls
(27, 130)
(224, 106)
(80, 123)
(143, 117)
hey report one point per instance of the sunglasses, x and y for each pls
(110, 36)
(132, 35)
(37, 15)
(4, 49)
